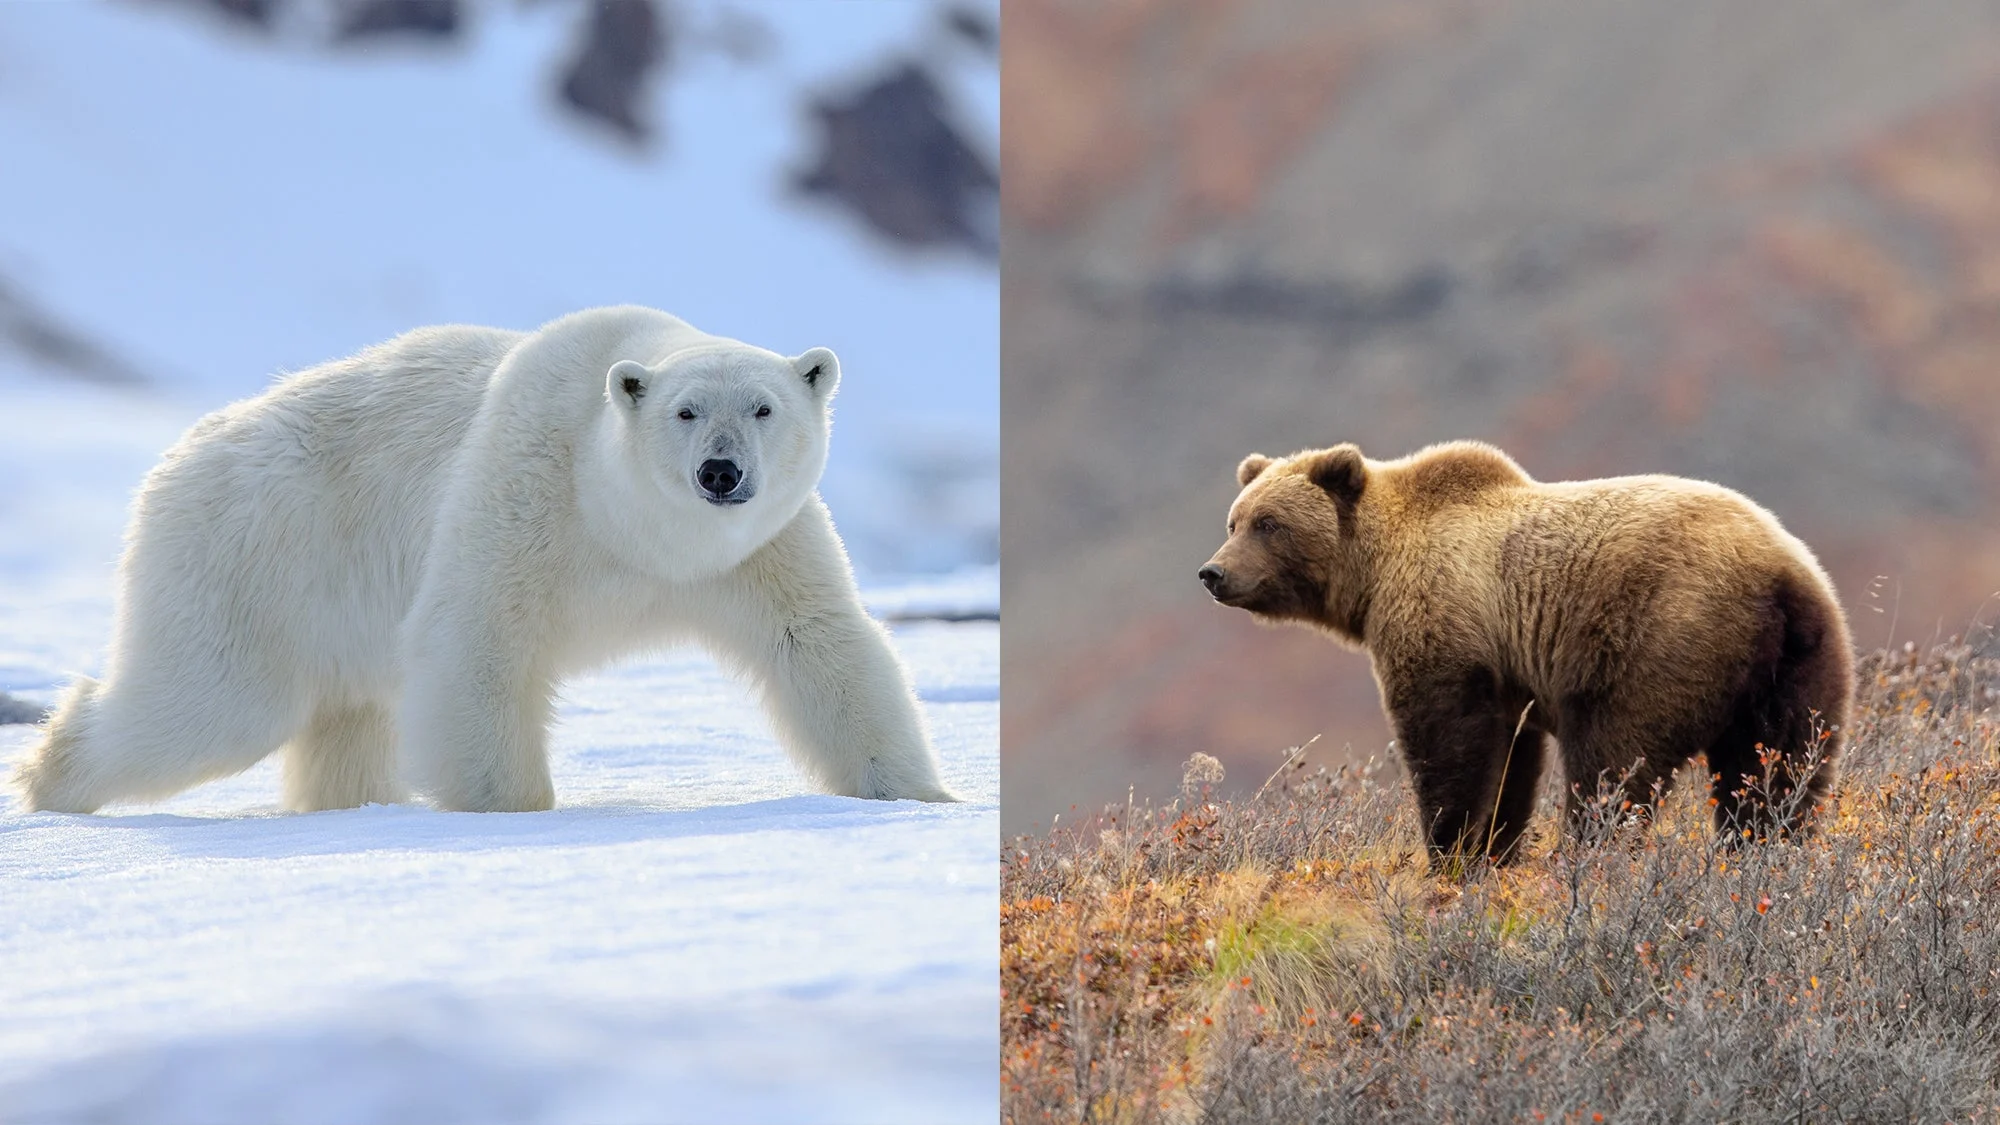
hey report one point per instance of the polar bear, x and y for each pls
(386, 564)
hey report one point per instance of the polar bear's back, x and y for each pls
(303, 514)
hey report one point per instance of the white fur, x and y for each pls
(411, 547)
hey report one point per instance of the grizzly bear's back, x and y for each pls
(1657, 578)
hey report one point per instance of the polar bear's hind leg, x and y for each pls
(109, 742)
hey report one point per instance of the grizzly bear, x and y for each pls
(1638, 621)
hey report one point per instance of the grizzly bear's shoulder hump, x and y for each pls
(1457, 471)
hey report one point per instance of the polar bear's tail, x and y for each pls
(51, 779)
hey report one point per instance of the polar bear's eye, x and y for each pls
(763, 412)
(686, 415)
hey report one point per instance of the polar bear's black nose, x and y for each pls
(1211, 577)
(718, 477)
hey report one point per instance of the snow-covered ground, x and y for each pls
(691, 935)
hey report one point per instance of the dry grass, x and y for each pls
(1290, 958)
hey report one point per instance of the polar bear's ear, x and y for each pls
(626, 382)
(820, 368)
(1251, 468)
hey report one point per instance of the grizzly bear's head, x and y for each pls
(1293, 553)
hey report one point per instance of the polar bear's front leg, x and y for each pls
(475, 709)
(791, 618)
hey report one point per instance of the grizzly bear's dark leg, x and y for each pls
(1769, 769)
(1633, 798)
(1454, 734)
(1606, 743)
(1774, 760)
(1521, 775)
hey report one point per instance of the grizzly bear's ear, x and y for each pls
(1251, 468)
(1341, 472)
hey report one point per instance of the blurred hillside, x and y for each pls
(1758, 244)
(197, 195)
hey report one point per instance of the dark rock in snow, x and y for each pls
(975, 27)
(33, 332)
(422, 19)
(14, 710)
(623, 43)
(249, 13)
(890, 153)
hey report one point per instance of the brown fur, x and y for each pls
(1639, 621)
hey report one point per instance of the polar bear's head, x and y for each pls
(730, 436)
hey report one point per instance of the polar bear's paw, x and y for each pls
(884, 781)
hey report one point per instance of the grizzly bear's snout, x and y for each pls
(1238, 587)
(1241, 576)
(1212, 577)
